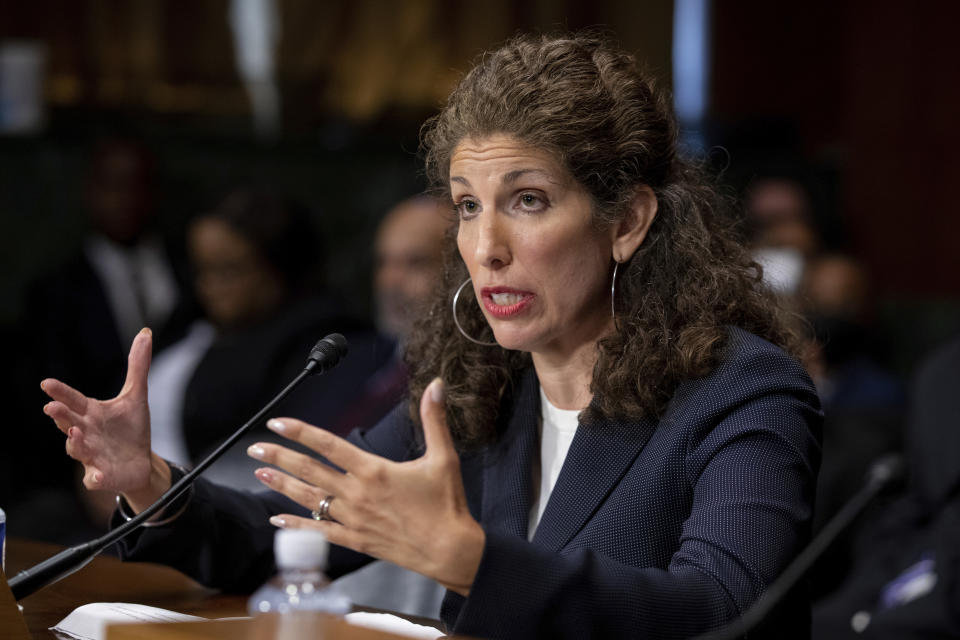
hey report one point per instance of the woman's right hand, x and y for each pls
(111, 438)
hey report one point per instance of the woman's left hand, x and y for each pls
(413, 514)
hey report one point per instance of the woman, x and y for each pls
(250, 256)
(255, 279)
(602, 442)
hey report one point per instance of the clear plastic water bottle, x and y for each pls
(301, 585)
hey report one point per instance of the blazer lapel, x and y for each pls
(507, 476)
(598, 457)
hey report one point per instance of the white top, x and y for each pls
(170, 372)
(138, 282)
(557, 428)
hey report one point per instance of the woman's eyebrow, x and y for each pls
(513, 176)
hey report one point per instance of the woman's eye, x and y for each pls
(531, 201)
(466, 208)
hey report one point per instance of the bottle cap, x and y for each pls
(300, 549)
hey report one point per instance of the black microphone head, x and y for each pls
(327, 353)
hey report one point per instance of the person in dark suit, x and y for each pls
(604, 436)
(78, 321)
(408, 258)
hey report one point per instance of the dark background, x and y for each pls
(859, 99)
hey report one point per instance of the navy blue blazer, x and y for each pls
(655, 528)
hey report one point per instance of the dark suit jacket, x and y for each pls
(654, 529)
(68, 332)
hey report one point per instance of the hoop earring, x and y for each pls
(613, 292)
(456, 321)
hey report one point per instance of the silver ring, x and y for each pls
(322, 512)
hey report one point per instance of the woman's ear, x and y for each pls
(629, 233)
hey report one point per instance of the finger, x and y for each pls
(92, 478)
(138, 363)
(304, 494)
(76, 445)
(62, 416)
(78, 449)
(336, 533)
(433, 415)
(299, 465)
(332, 447)
(65, 393)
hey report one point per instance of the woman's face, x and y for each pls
(234, 283)
(540, 267)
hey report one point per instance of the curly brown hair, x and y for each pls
(590, 105)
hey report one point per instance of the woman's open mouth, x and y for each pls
(504, 302)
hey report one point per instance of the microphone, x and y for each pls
(325, 355)
(883, 472)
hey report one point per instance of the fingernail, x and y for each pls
(255, 451)
(277, 521)
(265, 475)
(71, 432)
(97, 478)
(147, 331)
(276, 425)
(436, 390)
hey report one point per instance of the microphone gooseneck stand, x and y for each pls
(884, 472)
(323, 357)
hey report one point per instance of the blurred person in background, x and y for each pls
(254, 262)
(837, 297)
(863, 403)
(782, 230)
(408, 255)
(122, 279)
(905, 577)
(256, 276)
(124, 276)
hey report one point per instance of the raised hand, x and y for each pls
(111, 438)
(413, 514)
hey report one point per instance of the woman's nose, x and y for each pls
(492, 248)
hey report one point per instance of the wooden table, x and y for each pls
(107, 579)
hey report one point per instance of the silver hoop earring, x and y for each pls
(456, 321)
(613, 292)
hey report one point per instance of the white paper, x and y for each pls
(90, 621)
(392, 624)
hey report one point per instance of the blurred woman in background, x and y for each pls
(254, 259)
